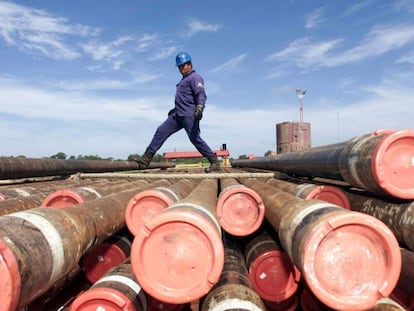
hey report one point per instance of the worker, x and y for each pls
(190, 100)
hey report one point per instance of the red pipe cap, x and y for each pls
(144, 206)
(350, 260)
(10, 281)
(392, 164)
(102, 298)
(274, 277)
(240, 211)
(178, 256)
(329, 194)
(62, 198)
(102, 258)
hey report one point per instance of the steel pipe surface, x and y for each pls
(322, 239)
(381, 162)
(178, 255)
(41, 245)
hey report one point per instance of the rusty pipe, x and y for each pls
(240, 210)
(146, 204)
(31, 167)
(233, 285)
(322, 239)
(40, 245)
(111, 252)
(23, 203)
(178, 255)
(272, 274)
(115, 290)
(71, 196)
(309, 191)
(398, 215)
(382, 162)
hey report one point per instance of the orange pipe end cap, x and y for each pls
(240, 211)
(392, 164)
(10, 281)
(100, 259)
(62, 198)
(178, 256)
(143, 207)
(274, 277)
(102, 298)
(350, 260)
(329, 194)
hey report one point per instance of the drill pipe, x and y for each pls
(309, 191)
(111, 252)
(273, 275)
(178, 255)
(72, 196)
(30, 189)
(39, 246)
(233, 291)
(240, 210)
(116, 290)
(322, 239)
(398, 215)
(23, 203)
(28, 167)
(381, 162)
(148, 203)
(406, 279)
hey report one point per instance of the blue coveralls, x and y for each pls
(190, 92)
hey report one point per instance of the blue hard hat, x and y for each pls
(182, 58)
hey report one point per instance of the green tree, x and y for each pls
(59, 155)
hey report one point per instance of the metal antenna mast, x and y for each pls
(301, 94)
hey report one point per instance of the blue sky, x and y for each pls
(98, 77)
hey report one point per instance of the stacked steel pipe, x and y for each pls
(115, 290)
(322, 239)
(39, 246)
(72, 196)
(381, 162)
(178, 255)
(233, 291)
(310, 191)
(397, 214)
(272, 274)
(146, 204)
(111, 252)
(240, 210)
(29, 167)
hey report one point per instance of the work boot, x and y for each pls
(144, 161)
(214, 165)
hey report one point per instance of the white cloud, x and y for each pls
(230, 65)
(38, 31)
(407, 58)
(314, 18)
(357, 7)
(196, 26)
(305, 53)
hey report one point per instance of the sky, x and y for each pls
(98, 77)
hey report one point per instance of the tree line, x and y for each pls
(157, 157)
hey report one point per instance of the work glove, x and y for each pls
(198, 112)
(171, 111)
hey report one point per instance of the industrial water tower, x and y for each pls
(294, 136)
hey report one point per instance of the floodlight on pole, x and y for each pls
(301, 94)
